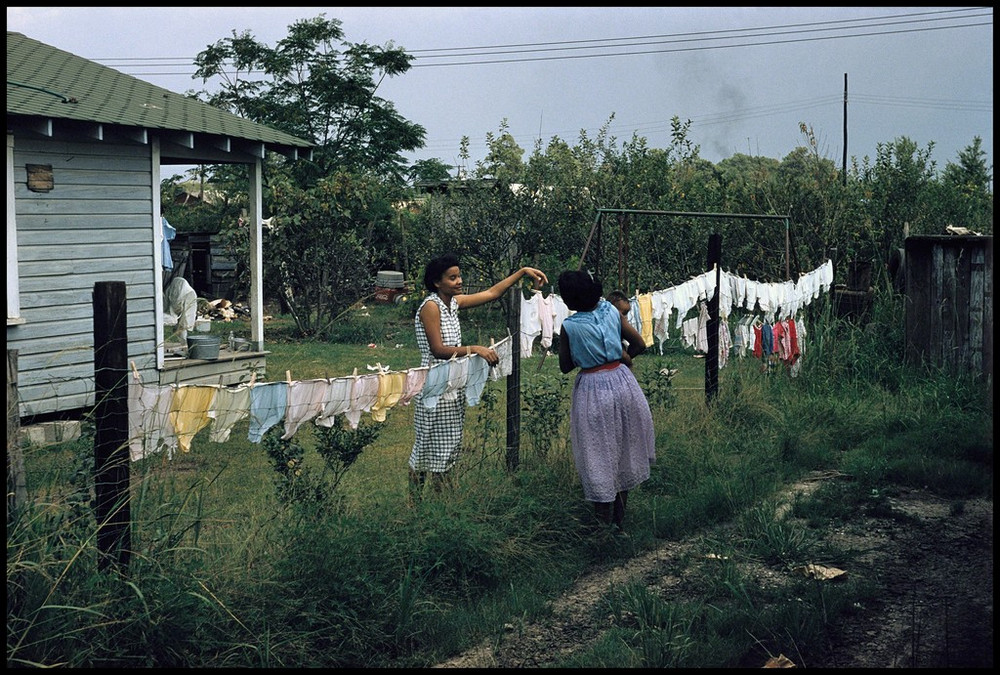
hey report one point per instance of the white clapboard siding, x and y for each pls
(93, 226)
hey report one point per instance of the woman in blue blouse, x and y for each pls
(611, 426)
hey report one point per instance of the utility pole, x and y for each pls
(844, 171)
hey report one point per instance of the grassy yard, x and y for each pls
(241, 562)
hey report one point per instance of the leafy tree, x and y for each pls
(334, 226)
(562, 182)
(749, 184)
(429, 170)
(503, 159)
(319, 87)
(968, 197)
(896, 193)
(813, 194)
(325, 244)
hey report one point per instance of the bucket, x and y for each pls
(239, 344)
(204, 347)
(389, 279)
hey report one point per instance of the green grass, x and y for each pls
(225, 573)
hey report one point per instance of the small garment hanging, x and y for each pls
(189, 412)
(390, 390)
(268, 401)
(231, 405)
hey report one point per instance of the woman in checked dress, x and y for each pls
(438, 429)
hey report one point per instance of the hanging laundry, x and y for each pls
(559, 313)
(306, 400)
(363, 397)
(390, 390)
(479, 371)
(458, 376)
(231, 405)
(337, 401)
(505, 352)
(546, 320)
(531, 323)
(415, 378)
(149, 428)
(189, 412)
(268, 401)
(645, 303)
(436, 384)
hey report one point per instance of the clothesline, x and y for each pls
(541, 316)
(167, 417)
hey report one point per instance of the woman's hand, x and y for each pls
(487, 353)
(537, 275)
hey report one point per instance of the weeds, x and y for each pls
(303, 553)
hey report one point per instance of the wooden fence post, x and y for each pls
(17, 490)
(712, 357)
(111, 452)
(514, 380)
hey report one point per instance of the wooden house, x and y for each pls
(85, 147)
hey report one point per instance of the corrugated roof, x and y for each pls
(49, 82)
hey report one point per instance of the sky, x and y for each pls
(745, 77)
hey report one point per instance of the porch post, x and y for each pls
(256, 258)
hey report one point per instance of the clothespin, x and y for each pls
(288, 376)
(454, 356)
(135, 372)
(253, 377)
(491, 343)
(355, 372)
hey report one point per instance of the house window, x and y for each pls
(13, 284)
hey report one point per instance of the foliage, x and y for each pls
(319, 87)
(966, 196)
(429, 170)
(544, 409)
(325, 246)
(856, 217)
(895, 195)
(304, 486)
(542, 208)
(340, 572)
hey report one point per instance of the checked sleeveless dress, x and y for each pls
(438, 430)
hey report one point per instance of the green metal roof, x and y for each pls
(48, 82)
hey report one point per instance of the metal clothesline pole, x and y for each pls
(714, 263)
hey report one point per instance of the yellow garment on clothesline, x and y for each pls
(189, 412)
(390, 389)
(646, 315)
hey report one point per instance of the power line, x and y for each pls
(683, 38)
(696, 37)
(714, 32)
(681, 42)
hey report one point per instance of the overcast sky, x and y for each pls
(745, 76)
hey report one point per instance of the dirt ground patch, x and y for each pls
(935, 609)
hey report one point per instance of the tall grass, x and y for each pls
(229, 570)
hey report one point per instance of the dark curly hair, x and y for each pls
(580, 290)
(436, 268)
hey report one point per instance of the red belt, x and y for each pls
(605, 366)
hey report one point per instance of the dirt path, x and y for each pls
(937, 609)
